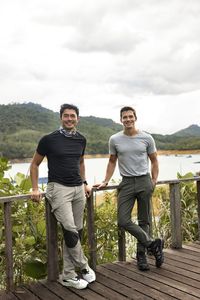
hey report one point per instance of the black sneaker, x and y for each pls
(156, 247)
(142, 261)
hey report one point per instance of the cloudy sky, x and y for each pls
(102, 55)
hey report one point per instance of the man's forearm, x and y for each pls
(154, 171)
(82, 170)
(109, 171)
(34, 173)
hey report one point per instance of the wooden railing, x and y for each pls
(175, 217)
(51, 225)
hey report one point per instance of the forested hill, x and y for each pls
(22, 125)
(185, 139)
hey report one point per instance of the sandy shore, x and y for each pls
(88, 156)
(160, 152)
(173, 152)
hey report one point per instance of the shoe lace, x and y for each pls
(142, 258)
(85, 271)
(158, 252)
(76, 278)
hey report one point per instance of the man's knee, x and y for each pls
(143, 223)
(80, 233)
(71, 237)
(123, 223)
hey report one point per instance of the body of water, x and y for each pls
(169, 165)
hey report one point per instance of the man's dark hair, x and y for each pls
(126, 108)
(68, 106)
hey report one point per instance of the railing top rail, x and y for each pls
(110, 187)
(16, 198)
(195, 178)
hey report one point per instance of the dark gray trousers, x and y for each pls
(134, 188)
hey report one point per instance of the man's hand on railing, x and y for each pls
(100, 185)
(36, 195)
(88, 191)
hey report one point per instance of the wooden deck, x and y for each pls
(179, 278)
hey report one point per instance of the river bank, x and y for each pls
(88, 156)
(160, 152)
(174, 152)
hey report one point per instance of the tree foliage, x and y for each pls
(189, 211)
(22, 125)
(29, 229)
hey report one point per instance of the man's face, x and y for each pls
(69, 119)
(128, 119)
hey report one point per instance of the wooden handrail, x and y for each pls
(8, 246)
(52, 244)
(175, 214)
(51, 225)
(198, 207)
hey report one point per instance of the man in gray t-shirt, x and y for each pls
(134, 149)
(132, 152)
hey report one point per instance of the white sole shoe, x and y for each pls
(88, 275)
(75, 282)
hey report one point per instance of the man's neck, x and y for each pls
(68, 132)
(73, 129)
(131, 131)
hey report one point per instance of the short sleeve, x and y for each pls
(42, 148)
(84, 146)
(151, 145)
(112, 148)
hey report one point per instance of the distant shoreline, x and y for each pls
(171, 152)
(88, 156)
(160, 152)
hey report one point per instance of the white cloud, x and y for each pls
(102, 55)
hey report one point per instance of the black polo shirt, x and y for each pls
(63, 156)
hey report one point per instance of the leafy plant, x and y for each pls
(29, 228)
(188, 211)
(106, 230)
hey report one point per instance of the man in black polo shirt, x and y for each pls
(66, 190)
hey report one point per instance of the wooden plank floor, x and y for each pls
(179, 278)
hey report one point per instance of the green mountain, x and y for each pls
(192, 130)
(173, 142)
(185, 139)
(22, 125)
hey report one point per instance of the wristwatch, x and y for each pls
(106, 182)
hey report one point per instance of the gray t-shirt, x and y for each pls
(132, 152)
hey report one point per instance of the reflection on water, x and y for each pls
(169, 165)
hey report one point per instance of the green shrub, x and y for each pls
(29, 228)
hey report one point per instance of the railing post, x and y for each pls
(121, 244)
(175, 213)
(151, 218)
(8, 246)
(52, 244)
(92, 244)
(198, 207)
